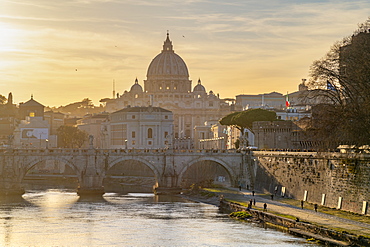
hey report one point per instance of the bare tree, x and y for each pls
(343, 79)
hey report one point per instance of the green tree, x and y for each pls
(71, 137)
(244, 119)
(343, 77)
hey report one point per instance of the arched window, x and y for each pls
(150, 133)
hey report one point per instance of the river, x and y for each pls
(60, 218)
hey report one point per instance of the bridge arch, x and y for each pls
(216, 160)
(39, 159)
(144, 161)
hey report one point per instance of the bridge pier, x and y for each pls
(91, 177)
(10, 177)
(91, 186)
(168, 181)
(11, 189)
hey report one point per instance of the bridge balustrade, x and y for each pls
(76, 151)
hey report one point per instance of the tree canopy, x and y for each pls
(244, 119)
(343, 75)
(2, 99)
(80, 108)
(71, 137)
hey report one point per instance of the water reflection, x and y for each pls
(61, 218)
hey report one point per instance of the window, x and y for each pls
(210, 104)
(150, 133)
(32, 114)
(187, 133)
(133, 142)
(166, 117)
(133, 134)
(149, 142)
(133, 116)
(165, 134)
(136, 96)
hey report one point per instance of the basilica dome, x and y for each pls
(136, 88)
(167, 63)
(199, 87)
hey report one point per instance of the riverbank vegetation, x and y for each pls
(241, 215)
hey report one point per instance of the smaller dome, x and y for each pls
(136, 88)
(199, 87)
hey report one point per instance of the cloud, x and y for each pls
(260, 46)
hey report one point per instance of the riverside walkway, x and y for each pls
(306, 215)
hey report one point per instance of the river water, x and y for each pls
(61, 218)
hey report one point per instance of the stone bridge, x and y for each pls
(91, 165)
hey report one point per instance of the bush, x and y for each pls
(240, 215)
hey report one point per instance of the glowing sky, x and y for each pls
(62, 51)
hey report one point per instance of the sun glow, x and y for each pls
(9, 38)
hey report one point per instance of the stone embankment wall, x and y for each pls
(334, 180)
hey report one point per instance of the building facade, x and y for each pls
(138, 128)
(272, 100)
(92, 124)
(33, 131)
(168, 86)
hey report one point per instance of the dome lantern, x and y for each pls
(167, 46)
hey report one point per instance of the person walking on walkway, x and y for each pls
(302, 202)
(265, 207)
(315, 206)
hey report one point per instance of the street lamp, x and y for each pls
(47, 143)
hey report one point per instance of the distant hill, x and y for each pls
(79, 109)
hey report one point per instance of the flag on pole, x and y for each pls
(330, 86)
(287, 102)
